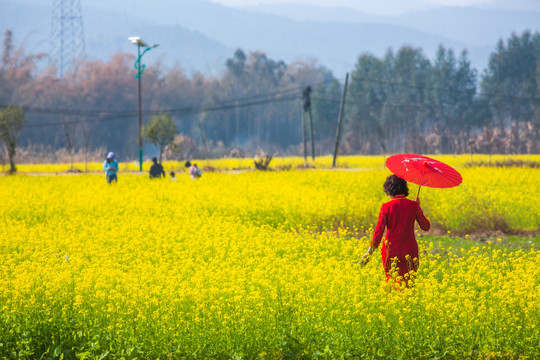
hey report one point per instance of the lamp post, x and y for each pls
(140, 68)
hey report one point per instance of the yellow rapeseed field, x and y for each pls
(321, 162)
(262, 265)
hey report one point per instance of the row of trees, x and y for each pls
(251, 104)
(398, 103)
(404, 102)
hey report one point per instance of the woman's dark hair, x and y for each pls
(394, 185)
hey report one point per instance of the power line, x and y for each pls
(106, 115)
(180, 111)
(254, 100)
(436, 88)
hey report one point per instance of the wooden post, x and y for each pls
(340, 119)
(311, 134)
(237, 125)
(306, 104)
(303, 131)
(203, 136)
(86, 137)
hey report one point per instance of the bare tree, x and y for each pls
(68, 130)
(86, 137)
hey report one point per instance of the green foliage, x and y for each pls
(510, 84)
(404, 102)
(160, 131)
(511, 78)
(11, 123)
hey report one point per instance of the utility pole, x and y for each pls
(202, 129)
(340, 119)
(306, 98)
(237, 124)
(303, 131)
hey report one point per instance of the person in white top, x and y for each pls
(195, 172)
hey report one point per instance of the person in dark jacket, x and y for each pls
(156, 170)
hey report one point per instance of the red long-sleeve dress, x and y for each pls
(398, 217)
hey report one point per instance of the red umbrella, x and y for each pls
(423, 171)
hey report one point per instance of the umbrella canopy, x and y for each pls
(423, 171)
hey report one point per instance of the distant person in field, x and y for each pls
(195, 172)
(156, 170)
(110, 165)
(400, 249)
(173, 176)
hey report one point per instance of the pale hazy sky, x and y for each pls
(347, 3)
(393, 7)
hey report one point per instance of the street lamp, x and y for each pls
(140, 68)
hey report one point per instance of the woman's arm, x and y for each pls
(376, 239)
(421, 219)
(379, 230)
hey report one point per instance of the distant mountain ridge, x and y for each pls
(472, 25)
(200, 35)
(107, 32)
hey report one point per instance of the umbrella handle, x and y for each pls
(420, 186)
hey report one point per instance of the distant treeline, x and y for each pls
(403, 102)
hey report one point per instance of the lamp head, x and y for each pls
(137, 41)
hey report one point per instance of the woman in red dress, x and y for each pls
(398, 217)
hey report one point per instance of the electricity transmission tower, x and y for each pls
(67, 35)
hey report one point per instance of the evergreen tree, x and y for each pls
(511, 85)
